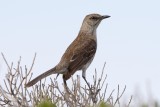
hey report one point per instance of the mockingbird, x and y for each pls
(80, 52)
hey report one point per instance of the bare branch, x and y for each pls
(78, 96)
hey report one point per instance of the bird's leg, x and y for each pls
(86, 82)
(84, 77)
(57, 76)
(66, 94)
(91, 92)
(65, 85)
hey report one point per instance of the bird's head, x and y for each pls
(92, 21)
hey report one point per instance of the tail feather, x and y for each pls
(45, 74)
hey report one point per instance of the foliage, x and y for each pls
(103, 104)
(46, 103)
(42, 95)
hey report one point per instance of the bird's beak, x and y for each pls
(105, 16)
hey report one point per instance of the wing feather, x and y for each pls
(81, 54)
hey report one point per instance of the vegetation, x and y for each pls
(14, 94)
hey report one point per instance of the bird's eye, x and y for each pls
(93, 18)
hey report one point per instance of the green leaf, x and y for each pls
(103, 104)
(46, 103)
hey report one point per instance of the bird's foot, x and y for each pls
(93, 92)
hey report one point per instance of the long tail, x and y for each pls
(45, 74)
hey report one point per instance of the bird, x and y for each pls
(79, 54)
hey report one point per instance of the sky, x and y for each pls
(128, 41)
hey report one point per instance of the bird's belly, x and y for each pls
(87, 64)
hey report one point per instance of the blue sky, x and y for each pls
(128, 41)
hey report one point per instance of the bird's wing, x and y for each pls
(81, 54)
